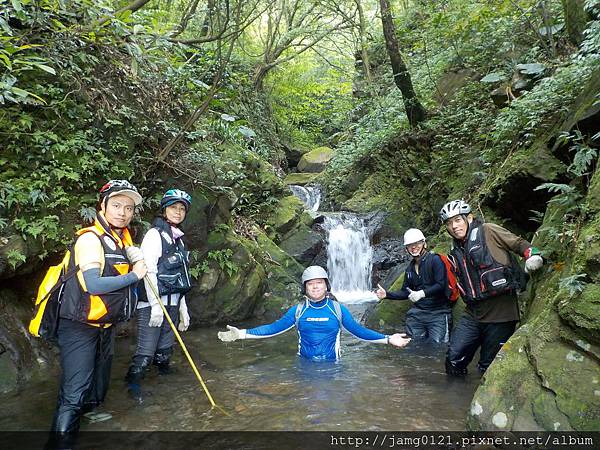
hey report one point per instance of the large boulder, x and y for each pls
(293, 154)
(316, 160)
(303, 244)
(451, 82)
(282, 281)
(230, 281)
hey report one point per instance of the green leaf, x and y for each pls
(17, 5)
(531, 69)
(23, 93)
(45, 68)
(6, 60)
(493, 77)
(247, 132)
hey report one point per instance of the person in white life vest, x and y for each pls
(167, 259)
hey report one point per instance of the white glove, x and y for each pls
(415, 296)
(134, 254)
(233, 334)
(156, 316)
(533, 263)
(184, 317)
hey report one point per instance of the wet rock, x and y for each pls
(303, 244)
(316, 160)
(21, 355)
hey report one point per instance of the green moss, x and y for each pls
(315, 160)
(583, 310)
(300, 179)
(506, 389)
(286, 215)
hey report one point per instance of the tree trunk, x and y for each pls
(259, 76)
(363, 41)
(414, 110)
(575, 19)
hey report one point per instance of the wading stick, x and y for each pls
(183, 347)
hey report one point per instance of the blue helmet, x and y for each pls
(176, 195)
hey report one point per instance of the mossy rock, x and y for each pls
(568, 373)
(302, 243)
(388, 315)
(316, 160)
(220, 296)
(286, 215)
(503, 400)
(582, 311)
(538, 381)
(593, 195)
(300, 178)
(282, 281)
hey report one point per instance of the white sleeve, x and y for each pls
(152, 249)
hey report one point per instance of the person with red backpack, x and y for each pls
(426, 286)
(489, 278)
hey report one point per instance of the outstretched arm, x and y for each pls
(366, 334)
(264, 331)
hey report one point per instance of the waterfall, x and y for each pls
(310, 196)
(349, 258)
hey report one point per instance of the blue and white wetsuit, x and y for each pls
(319, 329)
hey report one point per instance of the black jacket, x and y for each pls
(432, 279)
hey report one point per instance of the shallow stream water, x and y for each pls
(263, 385)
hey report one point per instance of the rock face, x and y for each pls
(315, 160)
(547, 377)
(20, 351)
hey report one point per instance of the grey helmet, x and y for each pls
(454, 208)
(313, 273)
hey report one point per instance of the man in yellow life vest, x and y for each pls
(99, 296)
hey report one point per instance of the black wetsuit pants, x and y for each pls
(471, 334)
(86, 354)
(154, 343)
(433, 325)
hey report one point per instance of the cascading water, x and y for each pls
(349, 251)
(349, 258)
(310, 196)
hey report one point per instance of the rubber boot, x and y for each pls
(162, 360)
(454, 371)
(134, 378)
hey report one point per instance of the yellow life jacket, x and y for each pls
(111, 307)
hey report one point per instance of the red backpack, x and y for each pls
(452, 291)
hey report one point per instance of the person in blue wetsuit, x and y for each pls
(319, 321)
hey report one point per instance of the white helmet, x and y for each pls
(314, 273)
(454, 208)
(413, 235)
